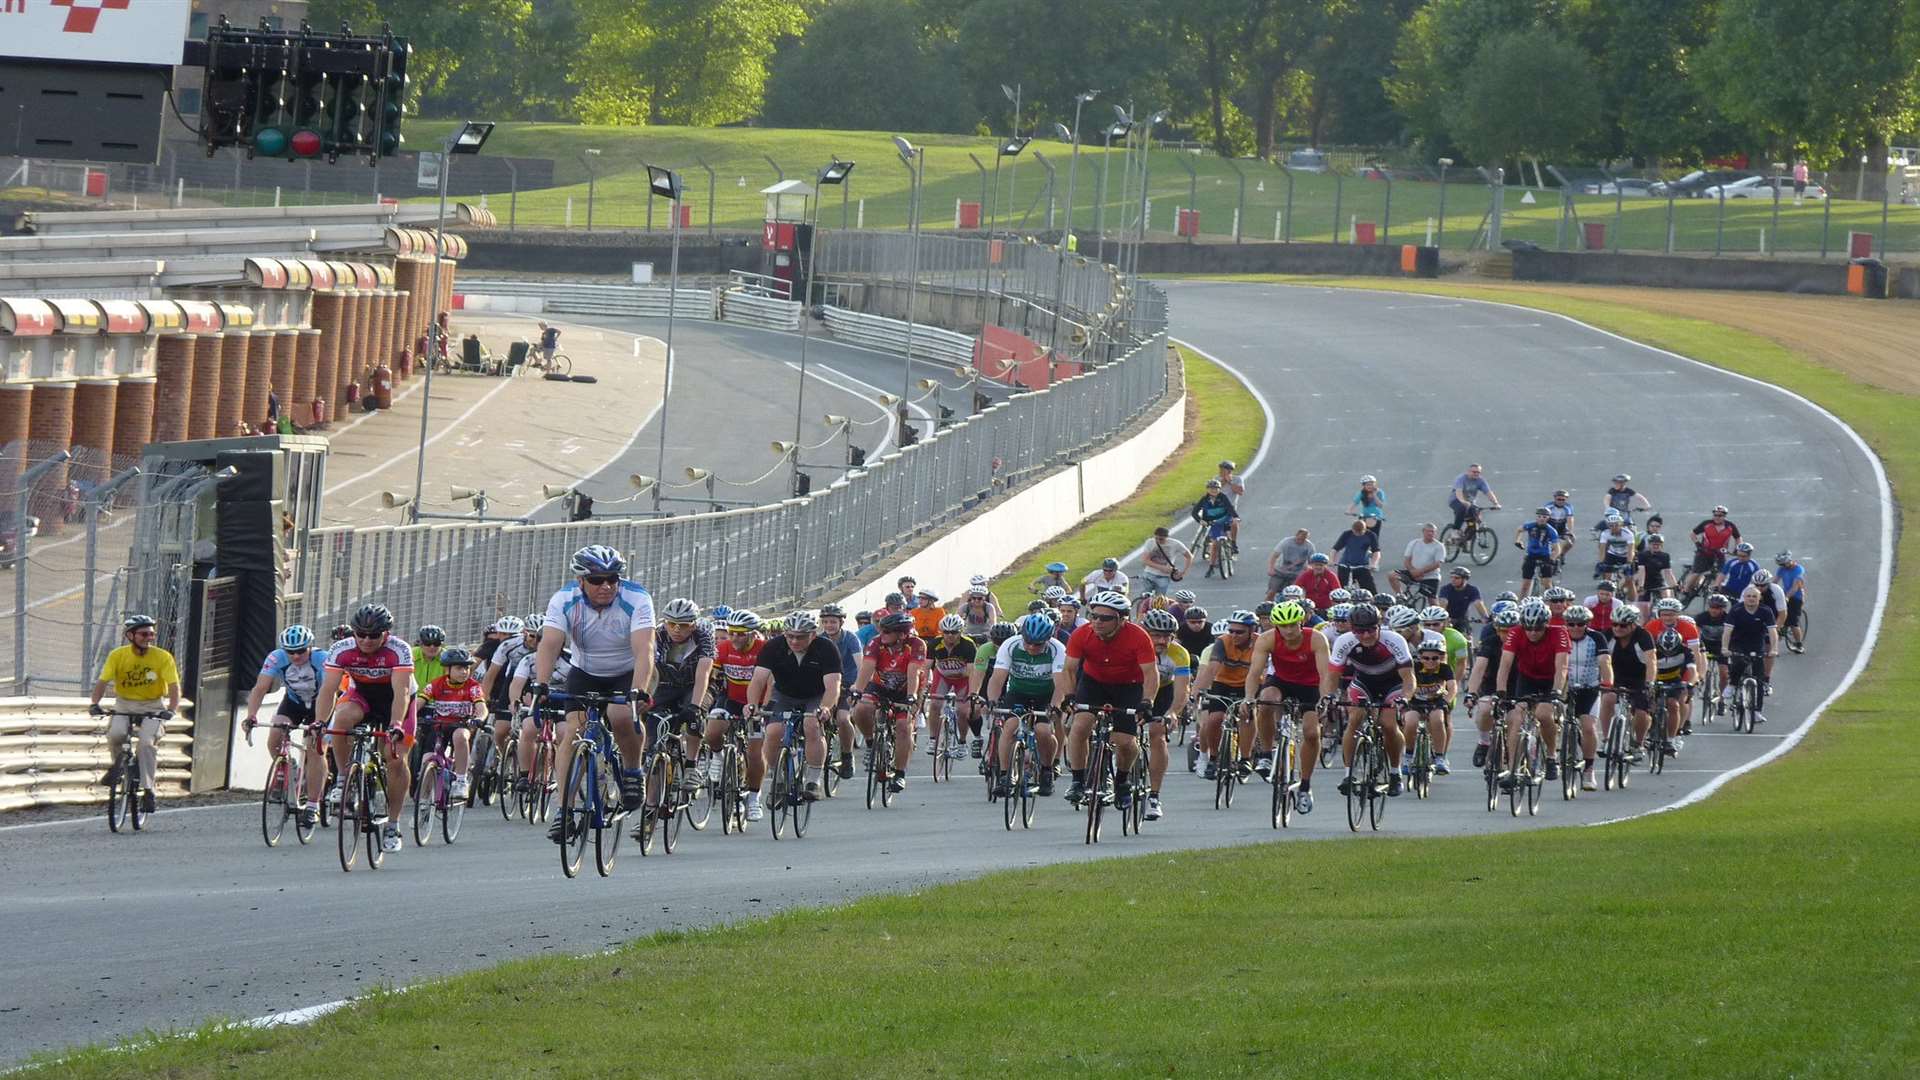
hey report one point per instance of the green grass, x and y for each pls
(1767, 932)
(1321, 209)
(1226, 424)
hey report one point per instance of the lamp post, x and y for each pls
(1133, 266)
(835, 174)
(1119, 129)
(1013, 171)
(1439, 237)
(666, 184)
(1073, 181)
(915, 159)
(1009, 148)
(468, 138)
(586, 159)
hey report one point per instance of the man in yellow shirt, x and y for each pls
(141, 674)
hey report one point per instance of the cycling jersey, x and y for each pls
(1319, 584)
(1030, 674)
(1541, 538)
(450, 703)
(1713, 632)
(1487, 649)
(1213, 509)
(1233, 663)
(426, 668)
(1583, 659)
(977, 618)
(676, 662)
(891, 664)
(1372, 507)
(1617, 547)
(1384, 657)
(1293, 664)
(1739, 575)
(139, 677)
(926, 622)
(1747, 630)
(1458, 649)
(1175, 661)
(1671, 665)
(1459, 601)
(1603, 612)
(1534, 659)
(390, 665)
(1100, 581)
(1655, 565)
(1558, 514)
(802, 677)
(952, 664)
(1430, 679)
(523, 669)
(602, 638)
(1787, 577)
(1684, 626)
(736, 665)
(1621, 499)
(302, 680)
(1118, 661)
(508, 657)
(1629, 670)
(1715, 536)
(849, 645)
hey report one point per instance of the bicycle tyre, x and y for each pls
(1096, 804)
(942, 765)
(728, 791)
(424, 796)
(698, 809)
(1805, 625)
(1450, 541)
(573, 800)
(802, 806)
(830, 776)
(1357, 782)
(452, 815)
(1377, 776)
(561, 365)
(136, 809)
(507, 768)
(1536, 760)
(1422, 764)
(1010, 806)
(373, 782)
(606, 824)
(780, 793)
(1485, 546)
(544, 766)
(273, 813)
(1028, 790)
(1495, 751)
(116, 804)
(884, 754)
(1518, 778)
(1285, 779)
(350, 822)
(1569, 763)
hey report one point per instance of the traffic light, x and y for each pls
(393, 98)
(302, 95)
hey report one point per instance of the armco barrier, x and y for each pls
(52, 751)
(1681, 272)
(748, 308)
(890, 335)
(589, 298)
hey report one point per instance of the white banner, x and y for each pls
(101, 31)
(429, 177)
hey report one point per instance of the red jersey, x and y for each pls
(1319, 586)
(1711, 535)
(891, 663)
(451, 703)
(1117, 661)
(736, 666)
(1294, 665)
(1534, 659)
(1689, 630)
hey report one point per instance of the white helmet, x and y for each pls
(951, 625)
(680, 610)
(509, 624)
(1110, 599)
(1293, 592)
(1400, 618)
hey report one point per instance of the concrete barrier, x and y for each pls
(1681, 272)
(579, 253)
(1906, 282)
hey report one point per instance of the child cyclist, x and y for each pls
(1433, 689)
(455, 699)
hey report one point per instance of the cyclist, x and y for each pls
(1630, 656)
(927, 616)
(891, 672)
(1712, 539)
(1055, 577)
(1560, 515)
(952, 657)
(1540, 540)
(1674, 664)
(833, 623)
(1461, 597)
(1292, 663)
(1196, 630)
(1616, 545)
(734, 662)
(1106, 579)
(1624, 500)
(1434, 621)
(1792, 578)
(1668, 615)
(1166, 561)
(1369, 504)
(1752, 639)
(1588, 669)
(1029, 672)
(1319, 580)
(1433, 689)
(1533, 663)
(1359, 554)
(141, 674)
(1712, 624)
(1557, 599)
(1182, 600)
(683, 661)
(1112, 663)
(1215, 511)
(454, 698)
(427, 643)
(296, 665)
(1235, 489)
(978, 612)
(382, 672)
(1467, 487)
(798, 671)
(1288, 561)
(549, 344)
(517, 639)
(1653, 571)
(1222, 685)
(1176, 675)
(1382, 668)
(1420, 568)
(1484, 685)
(1602, 604)
(1771, 595)
(540, 713)
(608, 622)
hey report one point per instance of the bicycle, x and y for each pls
(1286, 763)
(1796, 634)
(590, 800)
(1226, 753)
(1746, 692)
(1659, 747)
(669, 800)
(945, 738)
(1526, 770)
(1496, 754)
(731, 792)
(284, 796)
(535, 800)
(1219, 554)
(363, 797)
(488, 769)
(1366, 782)
(1710, 687)
(880, 751)
(1100, 779)
(1616, 749)
(124, 804)
(1420, 776)
(1023, 777)
(1137, 783)
(433, 785)
(1571, 765)
(1474, 537)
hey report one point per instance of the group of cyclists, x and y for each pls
(1135, 661)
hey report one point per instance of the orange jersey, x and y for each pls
(926, 621)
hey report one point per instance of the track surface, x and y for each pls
(196, 919)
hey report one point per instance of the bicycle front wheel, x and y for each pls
(117, 806)
(351, 821)
(780, 793)
(606, 824)
(1286, 776)
(130, 789)
(273, 804)
(575, 800)
(562, 364)
(426, 791)
(452, 815)
(374, 794)
(1357, 782)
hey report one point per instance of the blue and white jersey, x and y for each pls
(601, 638)
(302, 680)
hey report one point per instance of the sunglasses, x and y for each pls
(298, 652)
(1366, 630)
(800, 635)
(1103, 618)
(370, 637)
(601, 579)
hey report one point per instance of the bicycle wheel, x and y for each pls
(1536, 762)
(575, 806)
(1223, 774)
(830, 776)
(1286, 778)
(562, 364)
(374, 796)
(507, 765)
(942, 765)
(1797, 636)
(780, 792)
(1450, 540)
(698, 793)
(1422, 776)
(1376, 779)
(1496, 749)
(273, 804)
(116, 799)
(1569, 762)
(606, 823)
(1096, 790)
(426, 792)
(351, 821)
(1709, 692)
(451, 815)
(130, 789)
(1226, 558)
(883, 759)
(542, 783)
(1357, 783)
(1519, 777)
(1485, 546)
(1017, 783)
(728, 790)
(1329, 746)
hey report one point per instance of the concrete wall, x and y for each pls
(1681, 272)
(1270, 258)
(609, 253)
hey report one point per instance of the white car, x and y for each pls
(1744, 188)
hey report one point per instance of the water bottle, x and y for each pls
(377, 806)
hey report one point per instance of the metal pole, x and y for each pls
(1386, 218)
(1720, 222)
(21, 543)
(436, 334)
(806, 300)
(513, 197)
(1826, 214)
(1886, 200)
(1100, 207)
(1776, 211)
(95, 500)
(1439, 238)
(1060, 249)
(913, 278)
(590, 183)
(1338, 182)
(1240, 207)
(673, 293)
(1619, 208)
(1286, 220)
(1013, 170)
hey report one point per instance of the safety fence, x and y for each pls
(748, 308)
(893, 335)
(592, 298)
(53, 751)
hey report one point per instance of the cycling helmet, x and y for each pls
(1293, 592)
(1362, 596)
(1213, 485)
(1668, 606)
(1434, 613)
(1719, 600)
(1228, 464)
(1109, 563)
(1400, 618)
(895, 600)
(1461, 571)
(832, 611)
(977, 579)
(1783, 558)
(1261, 610)
(773, 626)
(1185, 596)
(704, 623)
(1070, 601)
(1054, 594)
(341, 632)
(295, 638)
(1505, 605)
(1340, 612)
(1763, 577)
(1364, 616)
(1627, 615)
(430, 635)
(951, 625)
(896, 620)
(1110, 599)
(138, 622)
(1577, 613)
(1368, 479)
(1621, 478)
(1509, 595)
(1534, 615)
(864, 618)
(1288, 614)
(1039, 605)
(456, 657)
(977, 592)
(1506, 618)
(1656, 538)
(680, 610)
(803, 622)
(1056, 568)
(1196, 612)
(1219, 628)
(1243, 617)
(1670, 641)
(1161, 622)
(1603, 585)
(1432, 643)
(534, 623)
(1036, 628)
(1000, 632)
(928, 594)
(746, 622)
(1319, 558)
(1306, 605)
(1559, 493)
(1719, 509)
(511, 624)
(1655, 519)
(1544, 511)
(598, 559)
(720, 612)
(370, 619)
(1340, 596)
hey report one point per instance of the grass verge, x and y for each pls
(1224, 422)
(1767, 932)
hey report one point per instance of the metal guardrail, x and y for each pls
(600, 298)
(890, 335)
(750, 308)
(52, 751)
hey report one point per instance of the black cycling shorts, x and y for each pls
(294, 711)
(1303, 694)
(1581, 699)
(1705, 562)
(1090, 695)
(579, 682)
(1163, 699)
(1537, 566)
(1524, 687)
(1033, 703)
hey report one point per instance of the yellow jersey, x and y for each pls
(139, 678)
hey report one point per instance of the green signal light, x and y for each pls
(270, 142)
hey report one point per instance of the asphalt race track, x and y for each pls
(195, 918)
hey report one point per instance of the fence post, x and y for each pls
(1720, 222)
(1776, 212)
(1287, 220)
(22, 541)
(1339, 182)
(1826, 214)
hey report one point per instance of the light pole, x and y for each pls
(1073, 180)
(666, 184)
(1133, 267)
(1010, 148)
(835, 174)
(1440, 236)
(915, 159)
(1013, 171)
(1119, 129)
(586, 159)
(468, 138)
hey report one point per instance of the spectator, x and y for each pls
(1799, 180)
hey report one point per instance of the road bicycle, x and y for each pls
(1795, 635)
(1286, 763)
(729, 793)
(1526, 771)
(787, 799)
(945, 740)
(1366, 781)
(1571, 765)
(1710, 686)
(590, 804)
(433, 784)
(124, 803)
(1420, 774)
(1099, 787)
(880, 751)
(1616, 746)
(488, 767)
(1496, 754)
(535, 798)
(1474, 538)
(363, 797)
(284, 796)
(1659, 746)
(672, 784)
(1741, 667)
(1226, 753)
(1023, 778)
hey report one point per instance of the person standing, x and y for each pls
(1799, 180)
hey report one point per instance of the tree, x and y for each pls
(700, 62)
(1654, 106)
(467, 54)
(1528, 92)
(868, 65)
(1053, 51)
(1437, 50)
(1349, 69)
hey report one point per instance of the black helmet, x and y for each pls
(898, 620)
(1001, 631)
(1363, 617)
(341, 632)
(456, 657)
(832, 611)
(431, 635)
(372, 619)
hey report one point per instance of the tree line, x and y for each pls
(1653, 81)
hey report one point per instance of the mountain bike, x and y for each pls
(433, 785)
(363, 796)
(590, 805)
(1474, 538)
(1743, 669)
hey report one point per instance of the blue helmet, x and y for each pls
(1056, 568)
(720, 612)
(295, 638)
(1036, 627)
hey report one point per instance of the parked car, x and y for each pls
(1629, 187)
(1785, 184)
(1692, 185)
(1307, 161)
(1744, 188)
